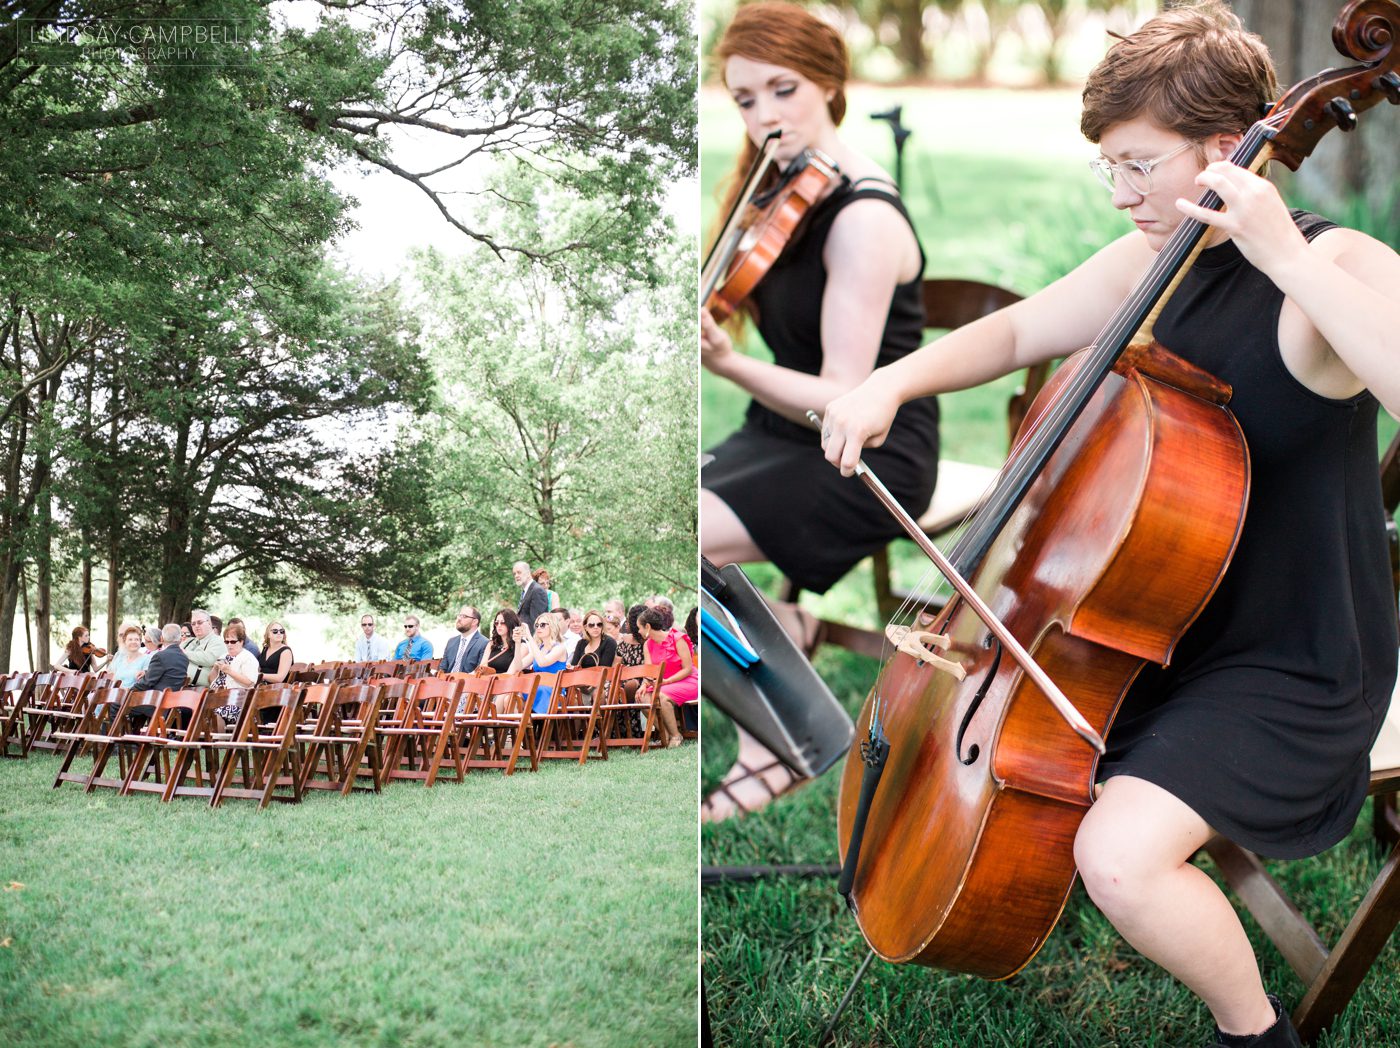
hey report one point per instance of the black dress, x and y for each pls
(1264, 721)
(500, 662)
(810, 521)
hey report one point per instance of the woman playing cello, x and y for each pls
(1260, 727)
(842, 298)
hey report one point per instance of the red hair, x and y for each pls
(784, 34)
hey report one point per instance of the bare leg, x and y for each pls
(1134, 849)
(723, 537)
(671, 735)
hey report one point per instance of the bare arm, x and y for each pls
(1064, 317)
(869, 251)
(1339, 331)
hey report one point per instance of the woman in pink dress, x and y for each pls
(670, 648)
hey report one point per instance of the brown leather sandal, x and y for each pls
(738, 806)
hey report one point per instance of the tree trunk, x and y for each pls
(9, 603)
(113, 593)
(43, 590)
(912, 55)
(85, 616)
(28, 637)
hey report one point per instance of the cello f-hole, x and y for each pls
(974, 751)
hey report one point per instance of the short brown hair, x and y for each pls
(1193, 69)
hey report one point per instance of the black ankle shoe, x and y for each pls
(1282, 1034)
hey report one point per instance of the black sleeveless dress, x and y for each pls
(810, 521)
(1264, 721)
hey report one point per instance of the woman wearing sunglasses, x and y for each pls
(595, 648)
(545, 651)
(275, 660)
(237, 668)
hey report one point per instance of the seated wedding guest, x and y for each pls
(631, 653)
(462, 653)
(80, 654)
(166, 670)
(217, 623)
(370, 646)
(151, 643)
(248, 644)
(543, 651)
(128, 660)
(629, 643)
(562, 618)
(186, 633)
(275, 660)
(204, 648)
(670, 648)
(663, 605)
(692, 628)
(500, 653)
(596, 648)
(414, 646)
(238, 668)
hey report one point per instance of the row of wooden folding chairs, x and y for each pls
(343, 735)
(35, 705)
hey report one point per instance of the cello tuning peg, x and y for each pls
(1344, 114)
(1390, 84)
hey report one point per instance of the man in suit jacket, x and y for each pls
(463, 652)
(204, 649)
(534, 598)
(168, 667)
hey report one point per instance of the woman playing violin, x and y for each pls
(81, 654)
(843, 297)
(1260, 727)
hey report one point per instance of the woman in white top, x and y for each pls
(238, 668)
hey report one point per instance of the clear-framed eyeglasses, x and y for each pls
(1136, 173)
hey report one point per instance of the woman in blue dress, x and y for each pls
(545, 651)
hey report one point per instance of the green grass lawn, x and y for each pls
(778, 954)
(556, 908)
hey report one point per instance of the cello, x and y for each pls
(1102, 540)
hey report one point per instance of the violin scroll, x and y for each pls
(1365, 30)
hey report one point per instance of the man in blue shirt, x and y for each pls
(414, 645)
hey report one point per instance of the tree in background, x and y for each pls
(161, 246)
(567, 423)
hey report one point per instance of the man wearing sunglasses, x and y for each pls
(414, 645)
(370, 646)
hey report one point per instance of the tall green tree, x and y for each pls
(567, 428)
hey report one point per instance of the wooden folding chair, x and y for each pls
(179, 715)
(505, 713)
(342, 738)
(422, 727)
(454, 745)
(16, 692)
(263, 748)
(107, 706)
(55, 703)
(643, 700)
(565, 731)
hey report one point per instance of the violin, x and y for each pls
(761, 225)
(89, 648)
(958, 813)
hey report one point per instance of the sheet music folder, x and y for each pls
(779, 699)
